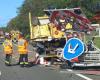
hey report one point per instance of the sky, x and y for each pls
(8, 10)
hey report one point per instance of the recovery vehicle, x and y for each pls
(49, 34)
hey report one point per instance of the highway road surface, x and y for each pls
(39, 72)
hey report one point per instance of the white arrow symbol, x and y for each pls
(72, 50)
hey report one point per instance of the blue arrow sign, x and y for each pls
(74, 47)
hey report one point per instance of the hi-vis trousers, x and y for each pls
(8, 59)
(23, 59)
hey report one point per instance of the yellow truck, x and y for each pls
(44, 30)
(46, 37)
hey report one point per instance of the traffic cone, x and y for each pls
(41, 60)
(75, 60)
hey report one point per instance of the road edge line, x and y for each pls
(80, 75)
(0, 73)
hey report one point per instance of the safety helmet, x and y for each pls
(20, 35)
(62, 19)
(7, 35)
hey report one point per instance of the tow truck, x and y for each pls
(54, 29)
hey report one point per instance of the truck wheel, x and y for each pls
(64, 66)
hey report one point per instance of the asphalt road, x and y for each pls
(38, 72)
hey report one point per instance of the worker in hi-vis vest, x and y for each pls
(23, 51)
(7, 44)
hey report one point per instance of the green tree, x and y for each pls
(36, 7)
(21, 21)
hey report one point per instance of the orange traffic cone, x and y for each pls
(75, 60)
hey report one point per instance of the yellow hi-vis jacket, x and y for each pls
(8, 46)
(68, 26)
(22, 46)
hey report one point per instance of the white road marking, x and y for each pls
(0, 73)
(85, 77)
(69, 70)
(80, 75)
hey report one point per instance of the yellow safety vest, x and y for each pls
(68, 26)
(22, 46)
(8, 46)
